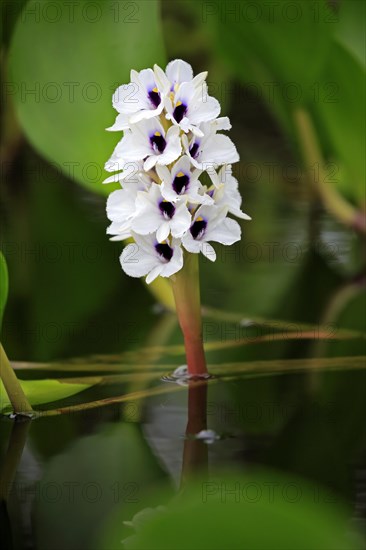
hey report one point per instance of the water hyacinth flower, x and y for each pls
(172, 136)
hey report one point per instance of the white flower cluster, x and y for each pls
(170, 126)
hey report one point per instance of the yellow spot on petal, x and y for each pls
(199, 219)
(179, 103)
(179, 175)
(155, 90)
(157, 134)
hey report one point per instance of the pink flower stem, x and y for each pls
(186, 290)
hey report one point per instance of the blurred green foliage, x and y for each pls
(4, 283)
(230, 511)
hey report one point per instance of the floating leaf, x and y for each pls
(39, 392)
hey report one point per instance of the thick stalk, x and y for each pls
(332, 200)
(12, 386)
(186, 290)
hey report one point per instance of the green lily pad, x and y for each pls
(39, 392)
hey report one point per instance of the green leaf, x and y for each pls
(39, 392)
(351, 28)
(276, 43)
(64, 65)
(4, 286)
(261, 511)
(117, 463)
(341, 116)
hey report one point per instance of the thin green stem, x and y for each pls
(186, 290)
(12, 386)
(332, 200)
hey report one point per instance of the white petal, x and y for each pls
(196, 131)
(135, 262)
(145, 222)
(191, 244)
(181, 221)
(239, 214)
(222, 123)
(121, 230)
(203, 108)
(120, 205)
(208, 251)
(228, 232)
(173, 148)
(218, 149)
(168, 192)
(179, 71)
(176, 262)
(147, 79)
(132, 147)
(182, 165)
(130, 98)
(121, 237)
(199, 79)
(121, 123)
(150, 162)
(113, 179)
(146, 114)
(154, 273)
(161, 79)
(163, 232)
(163, 173)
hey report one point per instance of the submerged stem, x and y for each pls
(186, 290)
(12, 386)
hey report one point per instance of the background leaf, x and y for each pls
(340, 116)
(74, 61)
(236, 511)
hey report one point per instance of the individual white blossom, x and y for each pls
(226, 191)
(211, 150)
(147, 257)
(210, 223)
(172, 136)
(141, 98)
(181, 182)
(154, 214)
(147, 140)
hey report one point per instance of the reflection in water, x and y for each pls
(9, 467)
(18, 438)
(195, 453)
